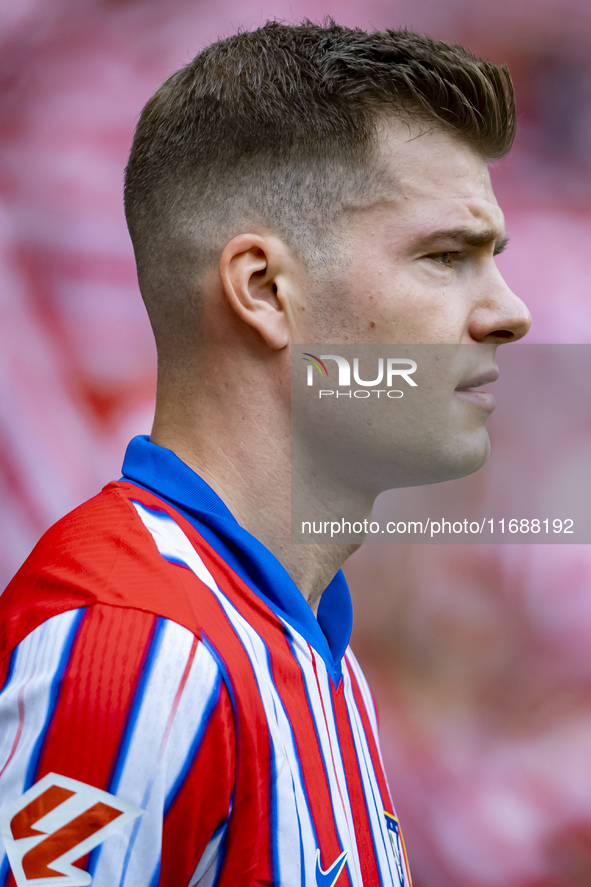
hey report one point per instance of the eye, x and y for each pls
(444, 258)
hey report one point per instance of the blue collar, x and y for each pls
(160, 471)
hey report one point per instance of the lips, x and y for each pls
(470, 390)
(477, 381)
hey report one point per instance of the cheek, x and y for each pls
(385, 304)
(406, 318)
(424, 314)
(341, 313)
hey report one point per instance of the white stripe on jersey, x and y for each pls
(371, 790)
(133, 854)
(365, 691)
(295, 834)
(369, 707)
(26, 700)
(320, 700)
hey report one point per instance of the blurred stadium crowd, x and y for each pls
(479, 656)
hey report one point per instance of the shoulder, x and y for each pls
(100, 553)
(110, 699)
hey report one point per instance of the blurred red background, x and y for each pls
(479, 656)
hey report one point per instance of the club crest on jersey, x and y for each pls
(57, 821)
(397, 842)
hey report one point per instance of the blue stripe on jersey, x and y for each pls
(302, 857)
(294, 649)
(175, 545)
(229, 687)
(148, 664)
(228, 683)
(219, 837)
(273, 817)
(160, 471)
(320, 747)
(366, 770)
(273, 801)
(9, 673)
(204, 723)
(4, 866)
(155, 877)
(273, 798)
(4, 871)
(32, 775)
(177, 562)
(221, 852)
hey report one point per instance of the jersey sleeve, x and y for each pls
(117, 752)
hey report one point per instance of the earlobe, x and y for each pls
(251, 274)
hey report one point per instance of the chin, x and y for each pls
(471, 458)
(450, 463)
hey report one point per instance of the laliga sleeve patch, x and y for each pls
(57, 821)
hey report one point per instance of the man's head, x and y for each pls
(307, 184)
(279, 131)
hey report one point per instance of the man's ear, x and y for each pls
(256, 273)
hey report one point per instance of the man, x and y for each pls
(179, 703)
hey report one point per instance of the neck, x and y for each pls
(245, 456)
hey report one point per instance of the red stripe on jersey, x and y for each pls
(250, 848)
(99, 553)
(4, 671)
(373, 749)
(272, 631)
(266, 624)
(96, 694)
(102, 555)
(293, 690)
(334, 767)
(203, 801)
(250, 845)
(363, 830)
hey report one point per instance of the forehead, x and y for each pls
(432, 178)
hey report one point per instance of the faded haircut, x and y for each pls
(277, 129)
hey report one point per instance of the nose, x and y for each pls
(498, 314)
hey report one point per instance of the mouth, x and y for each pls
(470, 390)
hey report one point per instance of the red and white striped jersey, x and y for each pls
(164, 723)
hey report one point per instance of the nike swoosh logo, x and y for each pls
(328, 878)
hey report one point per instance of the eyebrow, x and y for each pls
(466, 236)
